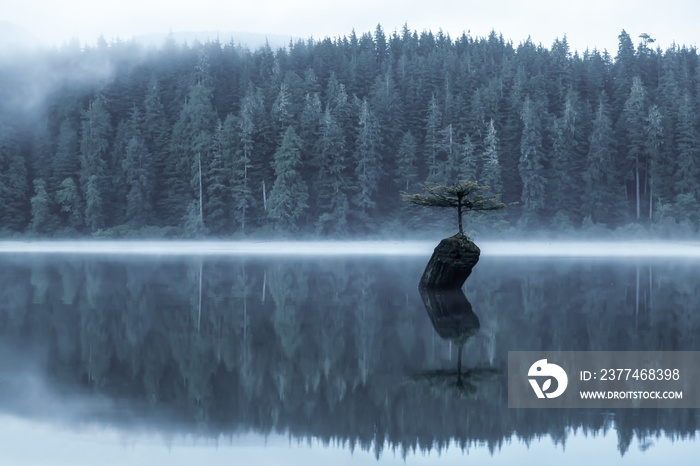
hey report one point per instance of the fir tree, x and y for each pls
(331, 180)
(289, 195)
(531, 167)
(658, 171)
(94, 144)
(190, 150)
(70, 203)
(13, 181)
(216, 207)
(387, 107)
(138, 170)
(634, 120)
(368, 163)
(309, 123)
(469, 165)
(406, 162)
(603, 192)
(248, 127)
(432, 144)
(687, 163)
(687, 166)
(94, 208)
(156, 136)
(42, 221)
(282, 109)
(491, 172)
(463, 195)
(565, 185)
(66, 160)
(450, 148)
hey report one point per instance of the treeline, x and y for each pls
(321, 137)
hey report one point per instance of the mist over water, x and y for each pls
(574, 249)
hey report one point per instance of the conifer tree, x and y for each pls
(624, 70)
(191, 142)
(115, 197)
(309, 123)
(330, 184)
(217, 195)
(450, 148)
(687, 166)
(41, 208)
(387, 107)
(156, 136)
(341, 107)
(138, 170)
(603, 192)
(530, 167)
(244, 160)
(565, 185)
(432, 144)
(462, 195)
(94, 144)
(406, 162)
(41, 151)
(282, 109)
(469, 164)
(659, 173)
(94, 205)
(634, 118)
(491, 172)
(13, 180)
(687, 163)
(368, 164)
(289, 195)
(66, 160)
(70, 203)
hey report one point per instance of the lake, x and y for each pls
(140, 356)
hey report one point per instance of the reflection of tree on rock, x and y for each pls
(453, 319)
(451, 314)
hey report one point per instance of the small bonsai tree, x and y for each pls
(464, 195)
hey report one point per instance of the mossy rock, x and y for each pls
(451, 263)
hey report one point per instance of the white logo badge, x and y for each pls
(543, 369)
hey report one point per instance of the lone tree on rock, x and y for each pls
(464, 195)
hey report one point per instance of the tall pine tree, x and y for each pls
(289, 195)
(603, 195)
(94, 145)
(368, 165)
(531, 166)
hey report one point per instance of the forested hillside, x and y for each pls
(321, 137)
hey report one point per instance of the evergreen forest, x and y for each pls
(320, 138)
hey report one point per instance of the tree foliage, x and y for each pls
(462, 195)
(289, 195)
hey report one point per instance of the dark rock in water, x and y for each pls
(451, 263)
(451, 314)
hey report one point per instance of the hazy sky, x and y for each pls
(590, 23)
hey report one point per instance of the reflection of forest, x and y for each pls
(327, 347)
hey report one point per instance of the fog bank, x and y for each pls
(574, 249)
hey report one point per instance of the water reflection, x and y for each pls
(454, 320)
(323, 348)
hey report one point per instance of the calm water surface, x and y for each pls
(293, 360)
